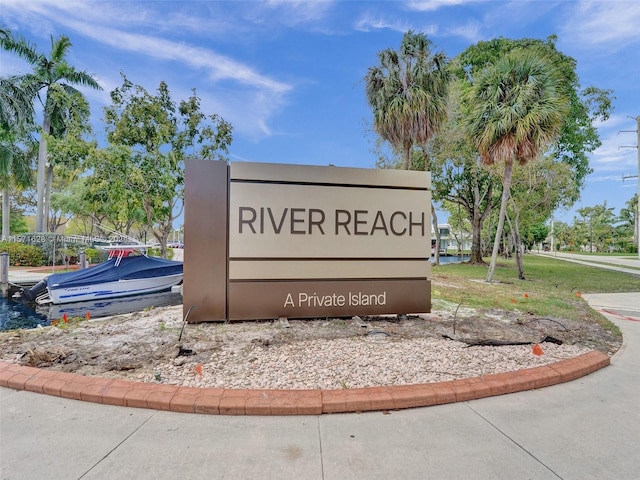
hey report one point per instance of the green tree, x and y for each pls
(157, 135)
(50, 73)
(459, 178)
(16, 125)
(629, 218)
(110, 193)
(407, 93)
(577, 136)
(517, 106)
(17, 222)
(532, 201)
(68, 153)
(597, 226)
(534, 234)
(559, 233)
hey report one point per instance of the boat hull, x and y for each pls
(114, 289)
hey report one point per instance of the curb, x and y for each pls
(219, 401)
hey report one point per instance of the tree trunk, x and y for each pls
(434, 222)
(515, 233)
(477, 218)
(506, 187)
(406, 157)
(476, 238)
(41, 176)
(6, 214)
(47, 199)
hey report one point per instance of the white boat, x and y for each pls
(120, 276)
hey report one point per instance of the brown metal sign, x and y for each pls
(270, 240)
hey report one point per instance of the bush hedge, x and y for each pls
(21, 255)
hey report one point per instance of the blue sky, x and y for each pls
(289, 74)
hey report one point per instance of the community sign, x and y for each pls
(265, 241)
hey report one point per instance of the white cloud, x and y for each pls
(618, 152)
(300, 11)
(432, 5)
(121, 13)
(219, 67)
(75, 15)
(470, 31)
(234, 89)
(368, 22)
(614, 22)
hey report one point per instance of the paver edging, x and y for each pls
(215, 401)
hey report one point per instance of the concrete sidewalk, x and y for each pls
(586, 429)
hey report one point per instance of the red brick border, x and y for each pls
(217, 401)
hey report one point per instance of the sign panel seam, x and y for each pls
(320, 280)
(331, 184)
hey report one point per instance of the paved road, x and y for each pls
(620, 264)
(586, 429)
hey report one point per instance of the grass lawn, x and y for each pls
(552, 288)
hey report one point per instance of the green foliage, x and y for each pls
(142, 171)
(534, 234)
(23, 255)
(407, 93)
(53, 79)
(515, 109)
(94, 255)
(578, 135)
(17, 223)
(456, 174)
(157, 252)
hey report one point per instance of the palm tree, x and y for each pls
(517, 107)
(48, 72)
(407, 93)
(16, 124)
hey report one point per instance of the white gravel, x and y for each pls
(272, 356)
(353, 363)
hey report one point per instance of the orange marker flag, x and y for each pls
(198, 369)
(537, 350)
(88, 315)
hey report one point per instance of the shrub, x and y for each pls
(94, 255)
(23, 255)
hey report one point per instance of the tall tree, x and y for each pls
(407, 93)
(48, 72)
(68, 151)
(517, 107)
(16, 126)
(158, 135)
(578, 135)
(459, 178)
